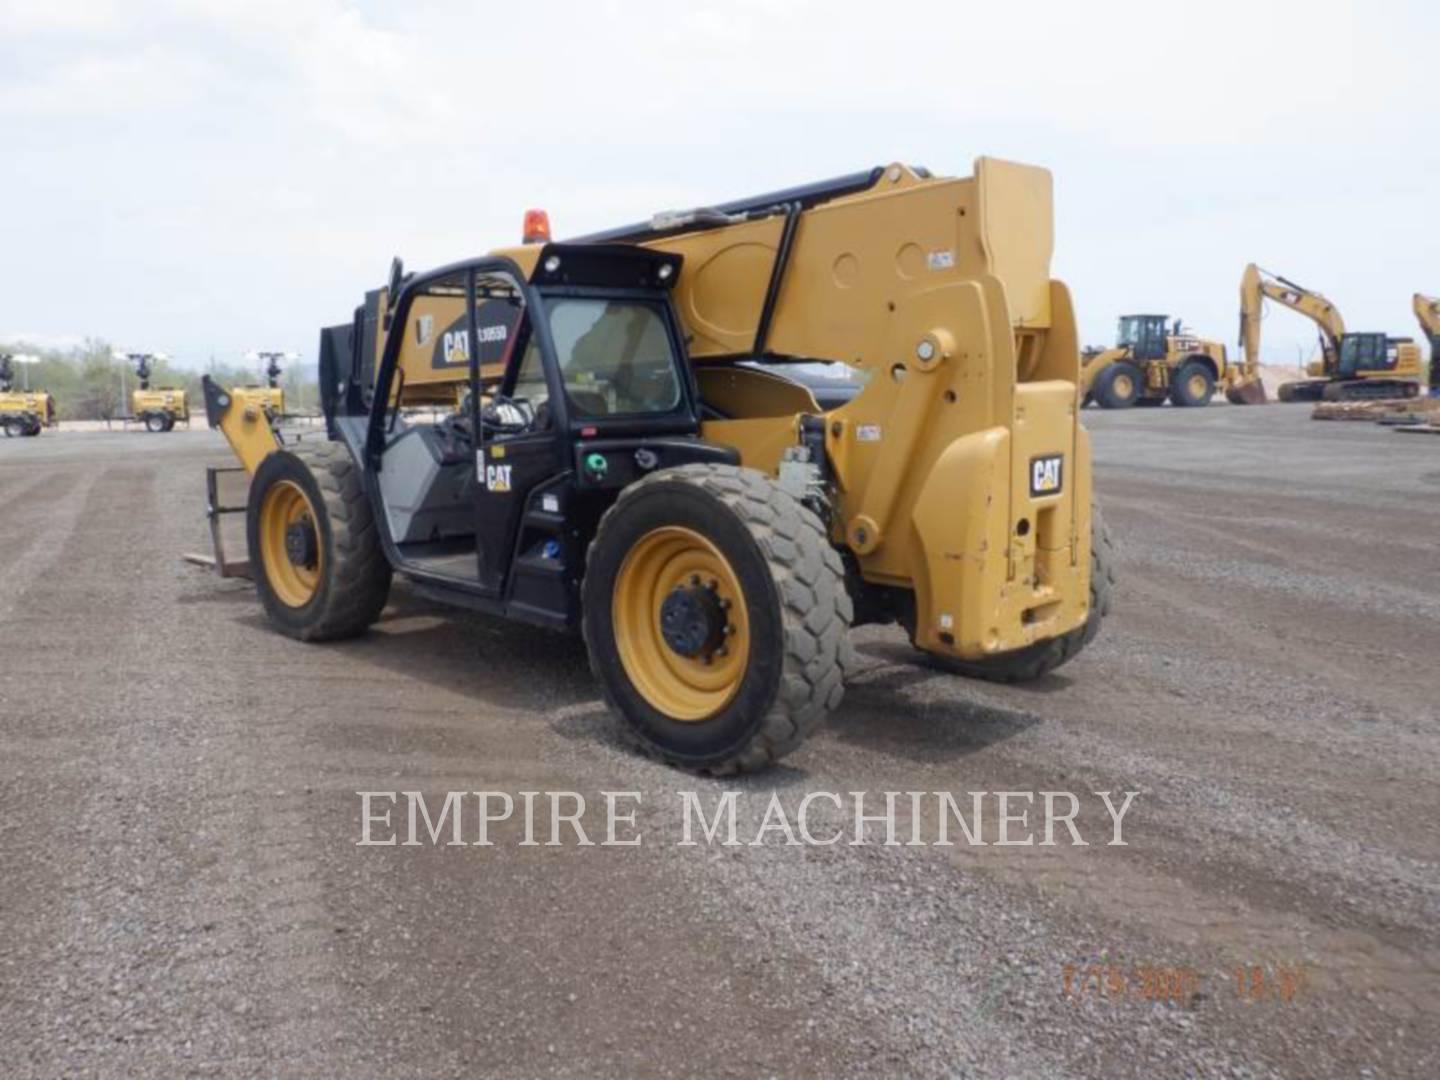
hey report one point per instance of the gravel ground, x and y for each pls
(183, 892)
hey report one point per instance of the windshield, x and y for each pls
(615, 356)
(1365, 352)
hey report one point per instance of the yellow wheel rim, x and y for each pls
(286, 505)
(1124, 385)
(1197, 386)
(682, 687)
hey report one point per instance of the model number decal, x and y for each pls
(1046, 475)
(455, 345)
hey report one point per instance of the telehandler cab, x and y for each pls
(631, 458)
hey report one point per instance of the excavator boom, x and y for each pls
(1248, 389)
(1427, 311)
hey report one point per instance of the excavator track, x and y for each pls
(1369, 390)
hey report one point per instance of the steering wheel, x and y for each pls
(503, 415)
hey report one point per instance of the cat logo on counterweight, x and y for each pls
(1046, 475)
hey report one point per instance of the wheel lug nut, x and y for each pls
(729, 629)
(722, 651)
(714, 585)
(724, 604)
(694, 579)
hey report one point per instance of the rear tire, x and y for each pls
(14, 429)
(349, 582)
(1193, 385)
(155, 423)
(1119, 385)
(787, 671)
(1043, 657)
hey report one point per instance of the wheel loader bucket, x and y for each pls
(1246, 392)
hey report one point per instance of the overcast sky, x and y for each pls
(212, 176)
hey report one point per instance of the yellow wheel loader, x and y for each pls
(1154, 362)
(1427, 312)
(159, 409)
(23, 413)
(1352, 366)
(646, 453)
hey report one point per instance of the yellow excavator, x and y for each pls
(22, 412)
(1352, 366)
(1427, 312)
(646, 454)
(1153, 361)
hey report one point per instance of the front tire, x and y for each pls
(1193, 385)
(14, 429)
(315, 551)
(155, 423)
(715, 615)
(1043, 657)
(1119, 385)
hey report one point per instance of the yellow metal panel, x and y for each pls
(271, 398)
(163, 399)
(247, 429)
(1019, 234)
(761, 442)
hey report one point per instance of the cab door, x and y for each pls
(518, 452)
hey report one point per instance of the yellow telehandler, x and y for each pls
(646, 454)
(1352, 367)
(1153, 362)
(22, 412)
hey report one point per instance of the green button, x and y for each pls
(597, 464)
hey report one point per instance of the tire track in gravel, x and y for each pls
(1154, 899)
(36, 526)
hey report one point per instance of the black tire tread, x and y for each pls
(1178, 393)
(360, 572)
(816, 608)
(1103, 392)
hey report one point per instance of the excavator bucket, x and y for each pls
(1246, 392)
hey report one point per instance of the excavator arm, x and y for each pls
(1427, 310)
(1247, 388)
(1259, 285)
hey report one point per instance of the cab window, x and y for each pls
(615, 357)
